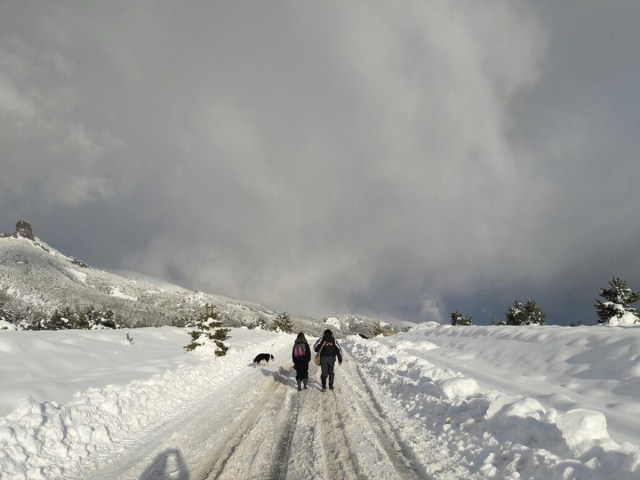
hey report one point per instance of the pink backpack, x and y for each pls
(299, 350)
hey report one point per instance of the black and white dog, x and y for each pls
(263, 356)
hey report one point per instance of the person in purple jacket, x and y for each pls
(329, 350)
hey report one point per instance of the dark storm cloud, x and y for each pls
(396, 159)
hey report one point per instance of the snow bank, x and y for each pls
(45, 439)
(504, 435)
(627, 319)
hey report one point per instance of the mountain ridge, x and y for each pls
(37, 280)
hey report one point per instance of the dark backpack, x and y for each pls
(329, 347)
(299, 350)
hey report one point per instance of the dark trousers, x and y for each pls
(326, 364)
(302, 370)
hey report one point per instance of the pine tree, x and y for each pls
(219, 336)
(209, 327)
(7, 315)
(283, 323)
(618, 299)
(57, 321)
(515, 313)
(459, 319)
(525, 314)
(108, 319)
(535, 316)
(83, 320)
(261, 323)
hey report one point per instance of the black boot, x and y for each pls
(330, 382)
(324, 383)
(304, 382)
(299, 382)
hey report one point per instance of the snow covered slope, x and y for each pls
(401, 409)
(36, 279)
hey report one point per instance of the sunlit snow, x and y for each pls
(435, 402)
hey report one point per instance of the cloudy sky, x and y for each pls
(396, 159)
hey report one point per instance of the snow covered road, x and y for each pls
(400, 409)
(256, 425)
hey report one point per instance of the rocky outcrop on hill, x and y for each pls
(23, 229)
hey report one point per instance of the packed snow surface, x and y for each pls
(434, 403)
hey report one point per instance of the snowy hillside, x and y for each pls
(432, 403)
(36, 280)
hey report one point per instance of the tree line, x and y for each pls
(65, 318)
(618, 298)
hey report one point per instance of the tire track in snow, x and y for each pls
(286, 439)
(249, 447)
(340, 434)
(191, 430)
(204, 434)
(425, 451)
(398, 452)
(374, 449)
(340, 462)
(307, 458)
(276, 432)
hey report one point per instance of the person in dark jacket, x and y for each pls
(329, 349)
(301, 356)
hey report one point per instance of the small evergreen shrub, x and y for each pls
(617, 305)
(525, 314)
(209, 327)
(458, 318)
(283, 323)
